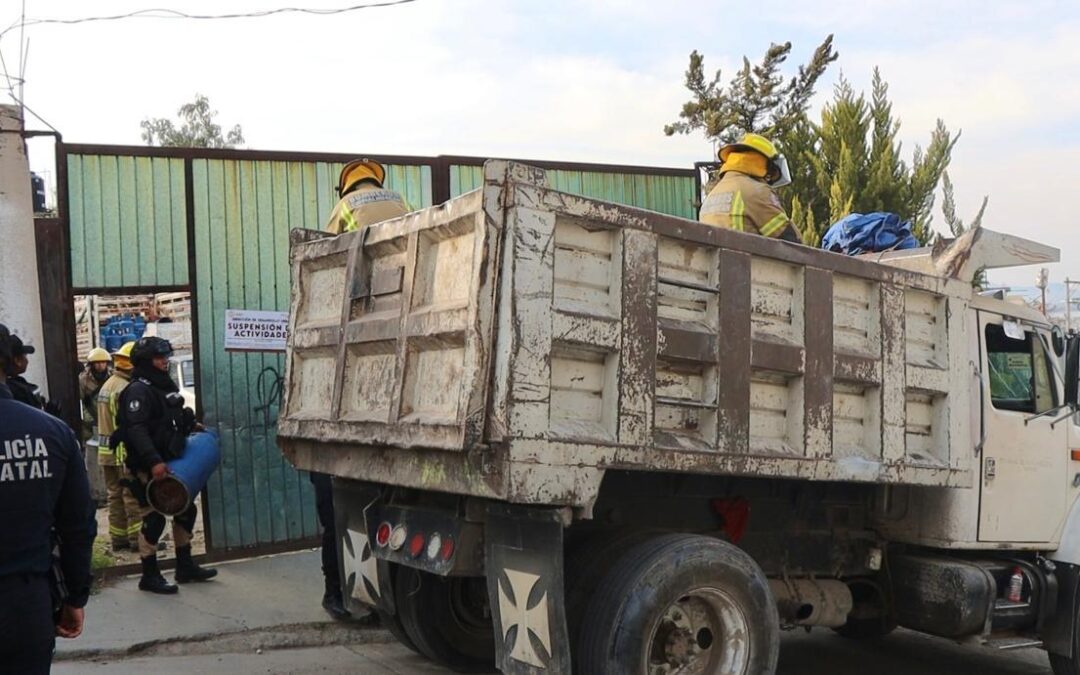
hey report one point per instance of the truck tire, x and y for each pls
(687, 601)
(587, 562)
(448, 619)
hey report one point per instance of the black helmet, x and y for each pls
(147, 348)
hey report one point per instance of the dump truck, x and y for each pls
(567, 435)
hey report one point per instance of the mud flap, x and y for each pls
(365, 581)
(524, 562)
(1057, 634)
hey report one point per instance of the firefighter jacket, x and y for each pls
(747, 204)
(366, 205)
(89, 386)
(108, 399)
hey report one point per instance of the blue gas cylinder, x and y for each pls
(172, 494)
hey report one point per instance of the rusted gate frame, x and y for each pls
(60, 354)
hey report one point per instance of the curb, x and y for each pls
(285, 636)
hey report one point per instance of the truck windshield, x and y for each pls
(1019, 371)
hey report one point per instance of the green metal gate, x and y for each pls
(216, 222)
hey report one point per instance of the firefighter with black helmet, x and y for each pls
(44, 492)
(153, 425)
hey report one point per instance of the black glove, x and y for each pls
(53, 408)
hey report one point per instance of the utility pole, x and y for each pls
(20, 296)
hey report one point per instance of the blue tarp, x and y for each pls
(869, 233)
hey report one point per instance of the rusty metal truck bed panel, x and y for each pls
(517, 341)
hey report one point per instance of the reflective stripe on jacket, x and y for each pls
(366, 205)
(747, 204)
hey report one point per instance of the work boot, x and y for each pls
(334, 605)
(152, 581)
(187, 570)
(121, 545)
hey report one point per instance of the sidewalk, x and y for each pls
(277, 592)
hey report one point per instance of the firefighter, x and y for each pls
(91, 379)
(364, 200)
(125, 520)
(153, 425)
(44, 499)
(745, 198)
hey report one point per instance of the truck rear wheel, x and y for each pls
(682, 603)
(448, 619)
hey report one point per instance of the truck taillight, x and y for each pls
(434, 546)
(397, 537)
(447, 550)
(382, 535)
(416, 544)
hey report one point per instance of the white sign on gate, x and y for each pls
(252, 330)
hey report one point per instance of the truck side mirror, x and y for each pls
(1072, 371)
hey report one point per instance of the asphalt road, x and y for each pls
(817, 653)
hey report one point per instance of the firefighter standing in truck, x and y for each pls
(364, 200)
(745, 199)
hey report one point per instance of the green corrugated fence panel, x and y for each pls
(673, 195)
(243, 213)
(127, 221)
(465, 178)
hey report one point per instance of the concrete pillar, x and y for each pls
(20, 297)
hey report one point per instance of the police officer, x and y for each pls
(22, 390)
(43, 491)
(364, 200)
(153, 426)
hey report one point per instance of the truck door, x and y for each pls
(1024, 466)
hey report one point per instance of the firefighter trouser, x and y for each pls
(125, 516)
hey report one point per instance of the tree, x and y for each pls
(848, 162)
(758, 99)
(197, 128)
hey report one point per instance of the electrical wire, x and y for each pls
(177, 14)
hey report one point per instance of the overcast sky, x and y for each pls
(582, 80)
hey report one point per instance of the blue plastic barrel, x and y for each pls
(124, 326)
(113, 342)
(173, 494)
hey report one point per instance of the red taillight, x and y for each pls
(382, 535)
(447, 550)
(416, 544)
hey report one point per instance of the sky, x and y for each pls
(574, 80)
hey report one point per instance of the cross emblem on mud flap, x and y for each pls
(514, 611)
(360, 566)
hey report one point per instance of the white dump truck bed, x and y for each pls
(517, 342)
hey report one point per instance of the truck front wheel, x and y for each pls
(682, 603)
(448, 619)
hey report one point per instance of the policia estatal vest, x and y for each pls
(364, 201)
(44, 502)
(153, 426)
(745, 199)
